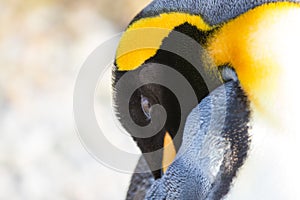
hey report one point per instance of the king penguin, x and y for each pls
(236, 135)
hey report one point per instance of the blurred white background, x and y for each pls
(42, 47)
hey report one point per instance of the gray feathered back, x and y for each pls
(212, 11)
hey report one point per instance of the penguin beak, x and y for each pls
(169, 152)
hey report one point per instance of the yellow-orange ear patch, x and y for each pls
(144, 37)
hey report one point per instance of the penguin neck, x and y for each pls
(277, 103)
(262, 46)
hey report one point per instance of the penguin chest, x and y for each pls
(271, 170)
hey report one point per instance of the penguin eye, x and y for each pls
(146, 106)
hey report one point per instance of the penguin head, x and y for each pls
(151, 128)
(236, 41)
